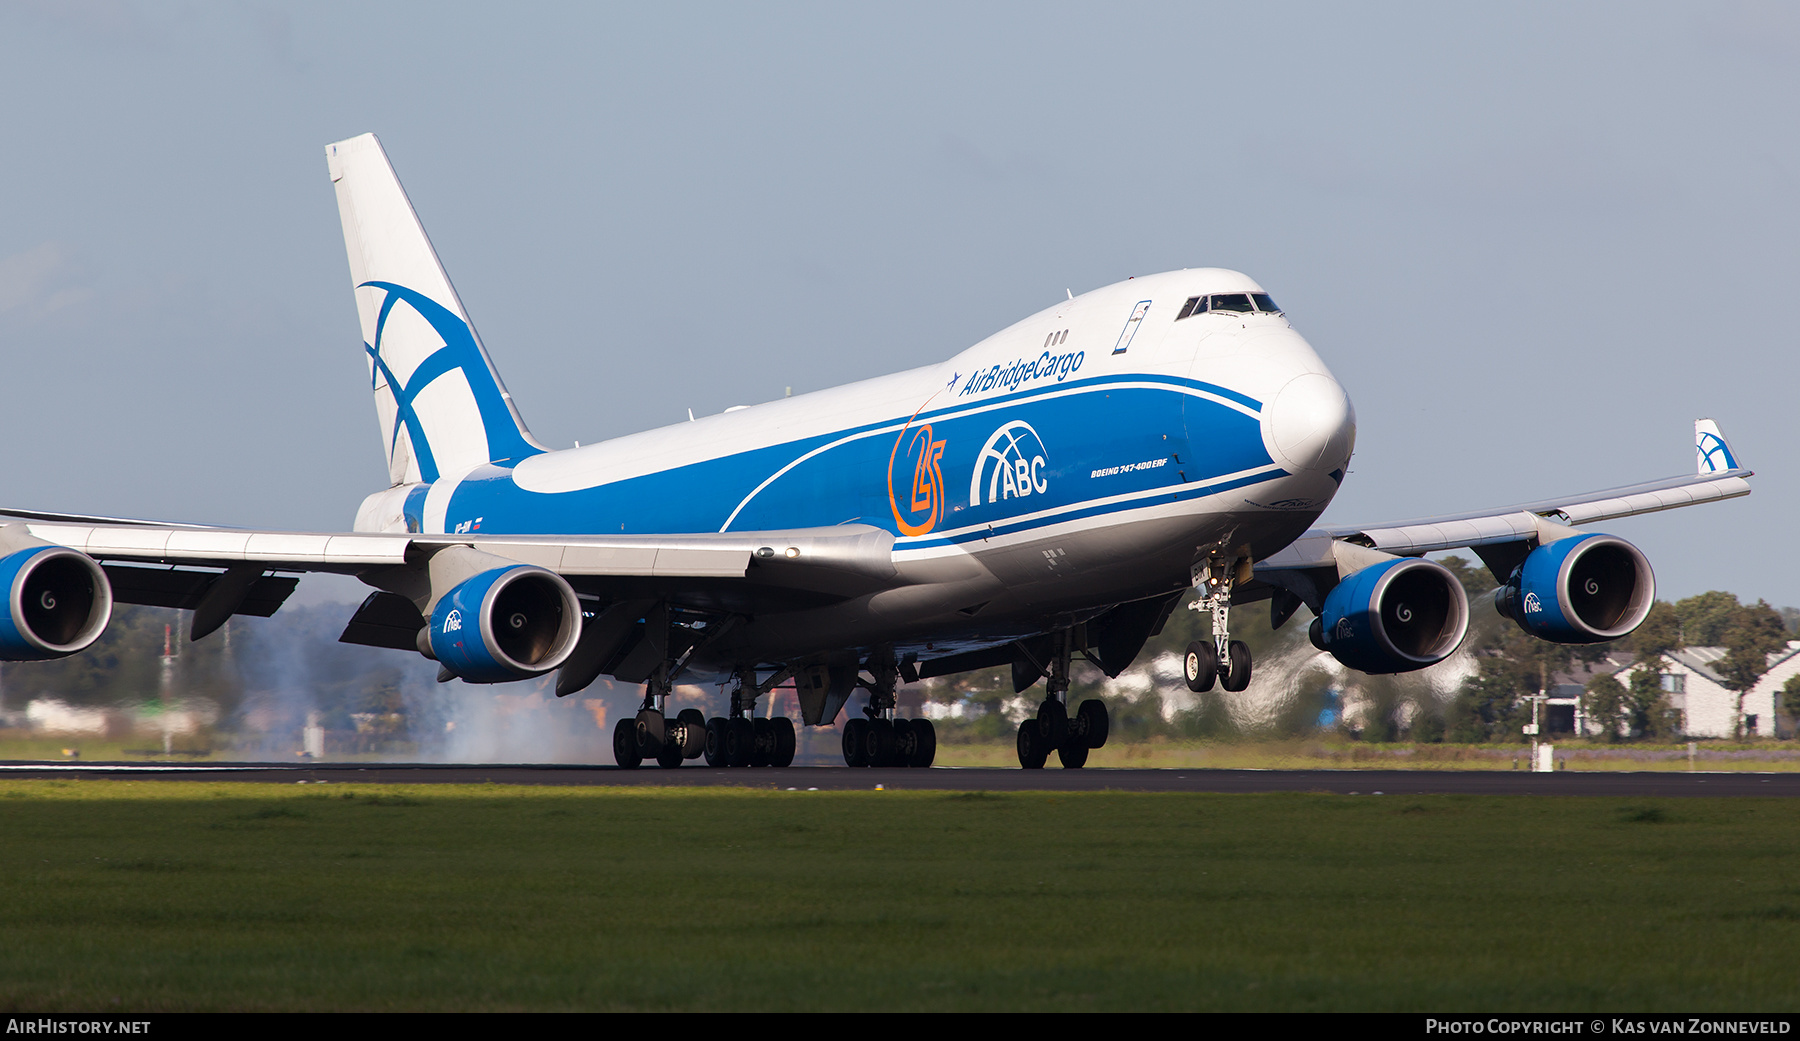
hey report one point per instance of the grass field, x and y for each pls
(155, 896)
(1762, 756)
(822, 747)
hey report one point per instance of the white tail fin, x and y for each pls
(1712, 454)
(441, 405)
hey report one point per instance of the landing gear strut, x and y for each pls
(1225, 660)
(881, 738)
(1071, 737)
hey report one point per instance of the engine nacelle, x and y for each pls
(505, 624)
(58, 601)
(1395, 616)
(1580, 589)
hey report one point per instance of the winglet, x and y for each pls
(1711, 453)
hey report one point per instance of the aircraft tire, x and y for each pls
(625, 745)
(856, 742)
(1097, 726)
(762, 744)
(1237, 673)
(741, 740)
(669, 755)
(693, 742)
(1200, 666)
(785, 742)
(1073, 753)
(1053, 720)
(905, 744)
(718, 740)
(1033, 753)
(924, 743)
(881, 742)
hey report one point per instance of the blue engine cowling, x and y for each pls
(1395, 616)
(1580, 589)
(506, 624)
(58, 600)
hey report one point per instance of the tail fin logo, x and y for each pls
(1709, 445)
(439, 431)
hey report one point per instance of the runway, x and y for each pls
(1336, 782)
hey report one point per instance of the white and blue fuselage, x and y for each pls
(1082, 457)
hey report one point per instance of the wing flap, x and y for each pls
(166, 587)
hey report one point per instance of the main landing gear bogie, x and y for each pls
(724, 742)
(649, 736)
(890, 742)
(880, 738)
(742, 742)
(1071, 738)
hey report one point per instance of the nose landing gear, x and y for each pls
(1226, 660)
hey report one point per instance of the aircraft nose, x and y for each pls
(1310, 425)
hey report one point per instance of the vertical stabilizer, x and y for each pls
(1712, 454)
(441, 405)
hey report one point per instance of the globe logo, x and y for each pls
(1010, 466)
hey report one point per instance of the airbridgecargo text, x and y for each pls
(1044, 366)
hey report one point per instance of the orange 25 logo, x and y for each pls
(926, 498)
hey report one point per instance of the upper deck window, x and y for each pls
(1230, 303)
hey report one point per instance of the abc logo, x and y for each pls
(1010, 466)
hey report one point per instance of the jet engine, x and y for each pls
(1395, 616)
(505, 624)
(58, 601)
(1580, 589)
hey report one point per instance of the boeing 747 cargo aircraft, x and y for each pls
(1045, 496)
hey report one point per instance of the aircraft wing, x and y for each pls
(1492, 533)
(857, 548)
(828, 561)
(1512, 523)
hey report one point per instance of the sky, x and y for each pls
(1534, 242)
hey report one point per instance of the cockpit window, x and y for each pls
(1231, 303)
